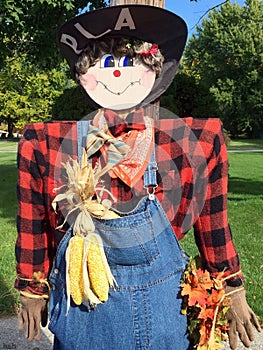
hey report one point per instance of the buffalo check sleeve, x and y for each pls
(32, 243)
(212, 232)
(42, 151)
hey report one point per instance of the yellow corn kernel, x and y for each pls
(76, 248)
(97, 273)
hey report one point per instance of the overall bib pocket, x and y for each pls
(129, 242)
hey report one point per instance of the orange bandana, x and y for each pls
(137, 132)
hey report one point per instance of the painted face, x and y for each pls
(118, 83)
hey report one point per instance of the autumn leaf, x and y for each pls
(221, 319)
(213, 344)
(205, 330)
(204, 279)
(215, 297)
(195, 295)
(227, 301)
(207, 313)
(206, 303)
(186, 289)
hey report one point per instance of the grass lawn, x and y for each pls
(255, 144)
(245, 216)
(245, 208)
(8, 209)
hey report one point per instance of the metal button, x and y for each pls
(56, 271)
(151, 196)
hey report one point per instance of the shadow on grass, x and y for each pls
(246, 187)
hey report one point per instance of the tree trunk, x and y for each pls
(10, 127)
(152, 110)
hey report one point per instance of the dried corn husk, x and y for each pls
(88, 274)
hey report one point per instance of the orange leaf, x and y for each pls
(197, 296)
(215, 297)
(186, 289)
(206, 313)
(204, 280)
(205, 330)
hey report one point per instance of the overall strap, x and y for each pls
(82, 129)
(150, 174)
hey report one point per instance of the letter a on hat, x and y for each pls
(125, 20)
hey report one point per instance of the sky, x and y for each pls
(191, 11)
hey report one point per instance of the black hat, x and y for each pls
(148, 23)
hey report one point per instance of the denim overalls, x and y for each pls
(144, 311)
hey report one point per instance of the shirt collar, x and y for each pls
(119, 126)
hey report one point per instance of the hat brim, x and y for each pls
(148, 23)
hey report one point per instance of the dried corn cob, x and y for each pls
(99, 273)
(75, 266)
(89, 296)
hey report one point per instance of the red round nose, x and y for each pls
(117, 73)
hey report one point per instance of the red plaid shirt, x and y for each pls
(192, 188)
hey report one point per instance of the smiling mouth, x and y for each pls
(120, 92)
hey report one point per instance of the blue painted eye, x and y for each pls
(126, 61)
(107, 61)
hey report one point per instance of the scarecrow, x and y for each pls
(103, 203)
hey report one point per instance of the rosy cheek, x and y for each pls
(148, 78)
(88, 81)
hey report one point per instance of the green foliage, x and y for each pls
(32, 72)
(226, 55)
(95, 4)
(29, 27)
(188, 96)
(27, 94)
(72, 104)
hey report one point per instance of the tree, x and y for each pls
(226, 55)
(26, 94)
(29, 27)
(31, 76)
(71, 105)
(188, 96)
